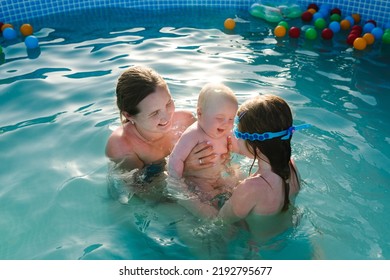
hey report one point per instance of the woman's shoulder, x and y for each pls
(116, 146)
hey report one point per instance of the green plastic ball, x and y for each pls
(320, 23)
(386, 38)
(284, 23)
(311, 34)
(335, 17)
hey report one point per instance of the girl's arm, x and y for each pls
(239, 205)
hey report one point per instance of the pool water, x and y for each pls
(57, 109)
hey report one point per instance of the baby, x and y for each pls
(216, 109)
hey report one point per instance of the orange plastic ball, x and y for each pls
(26, 29)
(356, 18)
(370, 39)
(280, 31)
(311, 10)
(6, 25)
(229, 23)
(345, 24)
(359, 44)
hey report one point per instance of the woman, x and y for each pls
(151, 126)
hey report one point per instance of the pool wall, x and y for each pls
(21, 10)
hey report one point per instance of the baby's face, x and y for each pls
(218, 118)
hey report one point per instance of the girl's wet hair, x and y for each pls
(133, 86)
(269, 113)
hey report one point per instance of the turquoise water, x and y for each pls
(57, 109)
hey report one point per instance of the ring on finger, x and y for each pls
(200, 161)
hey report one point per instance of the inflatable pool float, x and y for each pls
(275, 11)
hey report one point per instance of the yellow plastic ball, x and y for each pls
(6, 25)
(345, 24)
(359, 44)
(370, 39)
(26, 29)
(356, 18)
(229, 23)
(311, 10)
(280, 31)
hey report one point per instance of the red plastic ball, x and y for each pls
(327, 34)
(372, 21)
(306, 16)
(335, 11)
(351, 38)
(358, 28)
(294, 32)
(356, 31)
(313, 6)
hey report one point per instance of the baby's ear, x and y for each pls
(198, 112)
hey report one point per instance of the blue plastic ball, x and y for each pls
(9, 33)
(368, 27)
(334, 26)
(351, 20)
(31, 42)
(377, 32)
(317, 16)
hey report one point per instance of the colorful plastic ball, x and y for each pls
(345, 24)
(358, 28)
(280, 31)
(1, 24)
(6, 25)
(26, 29)
(370, 39)
(313, 6)
(350, 19)
(359, 44)
(317, 15)
(356, 17)
(386, 38)
(377, 32)
(334, 26)
(9, 33)
(320, 23)
(312, 11)
(368, 27)
(294, 32)
(1, 50)
(306, 16)
(351, 38)
(327, 34)
(335, 11)
(31, 42)
(371, 21)
(335, 17)
(311, 33)
(283, 23)
(229, 24)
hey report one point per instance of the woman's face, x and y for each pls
(156, 112)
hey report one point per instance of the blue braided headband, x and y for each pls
(267, 135)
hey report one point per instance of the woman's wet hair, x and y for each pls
(133, 86)
(269, 113)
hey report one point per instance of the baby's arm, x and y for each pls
(180, 153)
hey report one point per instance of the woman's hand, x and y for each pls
(202, 156)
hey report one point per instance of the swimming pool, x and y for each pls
(58, 109)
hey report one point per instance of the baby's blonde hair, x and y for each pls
(215, 90)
